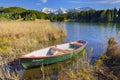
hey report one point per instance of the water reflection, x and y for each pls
(118, 31)
(16, 68)
(96, 34)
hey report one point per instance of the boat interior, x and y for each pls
(63, 49)
(57, 49)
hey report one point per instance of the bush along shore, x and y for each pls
(108, 66)
(21, 37)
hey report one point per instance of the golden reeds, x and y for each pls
(113, 48)
(26, 35)
(18, 38)
(107, 67)
(36, 30)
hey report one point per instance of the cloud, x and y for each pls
(44, 1)
(38, 3)
(96, 1)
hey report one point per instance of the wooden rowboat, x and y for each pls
(52, 54)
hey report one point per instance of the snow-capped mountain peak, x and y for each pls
(48, 10)
(64, 11)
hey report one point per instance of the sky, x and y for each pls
(56, 4)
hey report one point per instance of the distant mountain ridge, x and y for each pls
(63, 10)
(1, 8)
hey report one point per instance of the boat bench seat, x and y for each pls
(78, 44)
(60, 50)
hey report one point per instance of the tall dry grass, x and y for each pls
(35, 30)
(18, 38)
(22, 36)
(113, 49)
(108, 66)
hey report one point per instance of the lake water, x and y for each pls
(96, 34)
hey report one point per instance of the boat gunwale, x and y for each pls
(50, 56)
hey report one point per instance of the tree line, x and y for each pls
(16, 13)
(109, 15)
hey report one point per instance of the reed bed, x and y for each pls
(5, 72)
(108, 66)
(35, 30)
(20, 37)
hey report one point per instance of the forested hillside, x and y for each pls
(17, 13)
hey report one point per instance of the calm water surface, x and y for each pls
(96, 34)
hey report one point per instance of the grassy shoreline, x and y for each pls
(25, 35)
(21, 37)
(108, 66)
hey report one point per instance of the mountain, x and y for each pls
(1, 8)
(48, 10)
(63, 11)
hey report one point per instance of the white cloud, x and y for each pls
(44, 1)
(97, 2)
(38, 3)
